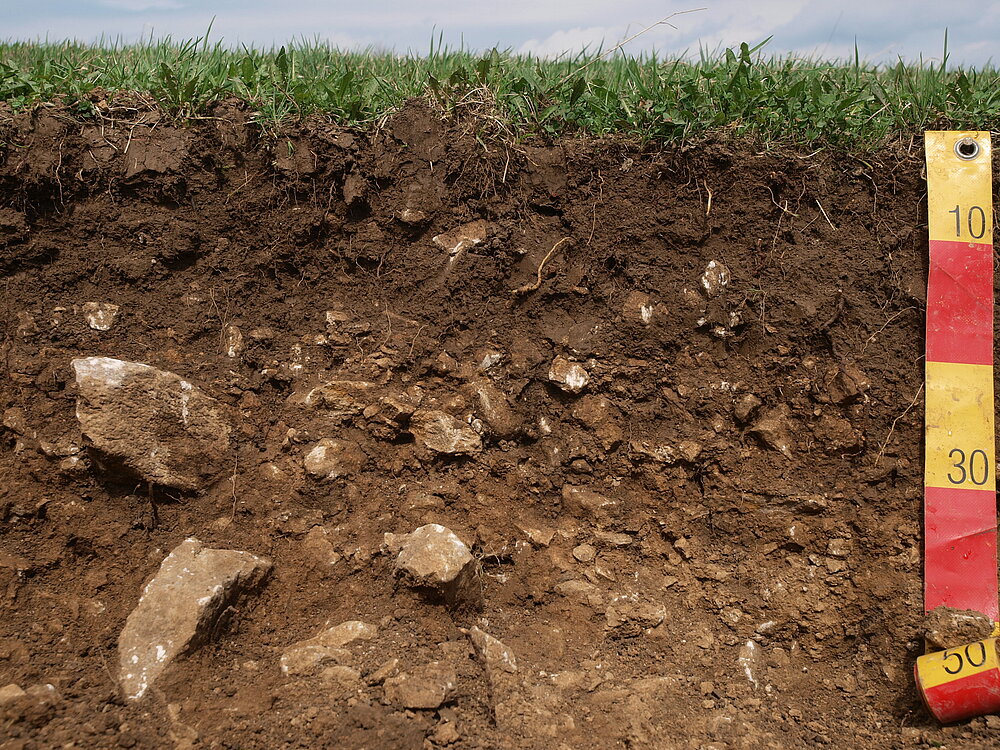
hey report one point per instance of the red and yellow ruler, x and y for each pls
(960, 514)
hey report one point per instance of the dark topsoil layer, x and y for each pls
(813, 553)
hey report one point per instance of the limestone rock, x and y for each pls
(11, 693)
(638, 308)
(462, 238)
(152, 422)
(442, 433)
(336, 398)
(428, 687)
(774, 430)
(836, 435)
(746, 406)
(232, 340)
(581, 591)
(538, 537)
(686, 451)
(496, 655)
(602, 418)
(569, 376)
(100, 315)
(412, 216)
(318, 546)
(715, 278)
(383, 672)
(629, 615)
(749, 660)
(945, 627)
(305, 656)
(842, 385)
(433, 556)
(495, 409)
(332, 459)
(182, 607)
(583, 501)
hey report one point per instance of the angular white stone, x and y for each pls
(569, 376)
(181, 608)
(100, 315)
(442, 433)
(433, 556)
(715, 278)
(331, 459)
(497, 656)
(304, 656)
(153, 422)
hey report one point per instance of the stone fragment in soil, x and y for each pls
(462, 238)
(569, 376)
(580, 591)
(445, 733)
(411, 216)
(232, 339)
(602, 418)
(100, 315)
(336, 398)
(182, 607)
(836, 435)
(583, 501)
(715, 278)
(584, 553)
(443, 433)
(319, 547)
(384, 671)
(35, 707)
(434, 557)
(538, 537)
(332, 459)
(427, 687)
(11, 693)
(305, 656)
(749, 660)
(638, 308)
(495, 409)
(946, 627)
(613, 539)
(496, 655)
(745, 408)
(774, 430)
(687, 451)
(842, 385)
(152, 422)
(629, 615)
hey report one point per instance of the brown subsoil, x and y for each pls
(811, 552)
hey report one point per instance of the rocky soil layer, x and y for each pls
(415, 439)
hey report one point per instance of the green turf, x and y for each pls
(774, 99)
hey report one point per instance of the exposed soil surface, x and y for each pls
(688, 445)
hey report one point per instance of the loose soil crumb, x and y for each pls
(685, 456)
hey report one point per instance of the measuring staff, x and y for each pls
(960, 514)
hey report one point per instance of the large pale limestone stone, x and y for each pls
(151, 422)
(181, 608)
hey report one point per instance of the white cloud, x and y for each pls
(569, 41)
(137, 6)
(542, 27)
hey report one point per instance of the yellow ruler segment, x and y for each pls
(956, 663)
(959, 449)
(960, 207)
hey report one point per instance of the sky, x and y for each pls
(883, 30)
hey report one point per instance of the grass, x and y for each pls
(775, 99)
